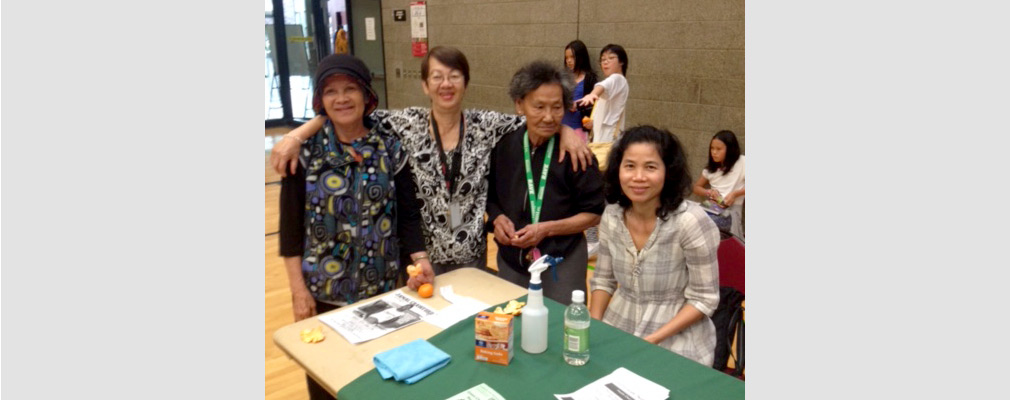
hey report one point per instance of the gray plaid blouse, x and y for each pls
(676, 266)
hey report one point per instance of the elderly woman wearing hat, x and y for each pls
(349, 203)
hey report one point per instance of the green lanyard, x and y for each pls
(536, 198)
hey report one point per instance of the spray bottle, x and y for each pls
(534, 316)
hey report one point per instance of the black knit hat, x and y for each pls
(347, 65)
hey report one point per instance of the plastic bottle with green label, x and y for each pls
(576, 346)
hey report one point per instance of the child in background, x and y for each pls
(610, 95)
(724, 175)
(577, 62)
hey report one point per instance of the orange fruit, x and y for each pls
(585, 120)
(426, 290)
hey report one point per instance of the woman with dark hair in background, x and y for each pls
(536, 207)
(724, 174)
(577, 62)
(609, 95)
(449, 149)
(657, 275)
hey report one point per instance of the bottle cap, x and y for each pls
(578, 296)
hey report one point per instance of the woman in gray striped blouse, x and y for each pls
(656, 276)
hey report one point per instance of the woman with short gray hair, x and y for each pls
(537, 207)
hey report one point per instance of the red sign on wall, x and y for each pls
(419, 47)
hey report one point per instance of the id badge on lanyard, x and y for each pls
(451, 169)
(455, 214)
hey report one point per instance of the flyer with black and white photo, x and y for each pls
(368, 321)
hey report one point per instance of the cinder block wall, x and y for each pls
(686, 57)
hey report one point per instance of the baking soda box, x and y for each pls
(494, 338)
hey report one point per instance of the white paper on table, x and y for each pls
(479, 392)
(642, 386)
(368, 321)
(461, 308)
(621, 384)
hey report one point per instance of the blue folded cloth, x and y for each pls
(411, 362)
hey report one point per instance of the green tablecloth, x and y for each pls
(540, 376)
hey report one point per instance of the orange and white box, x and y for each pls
(494, 337)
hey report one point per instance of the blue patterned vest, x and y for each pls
(351, 247)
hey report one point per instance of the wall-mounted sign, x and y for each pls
(399, 15)
(418, 28)
(369, 28)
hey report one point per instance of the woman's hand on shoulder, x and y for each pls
(574, 144)
(284, 155)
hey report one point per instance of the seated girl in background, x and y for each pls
(724, 174)
(657, 276)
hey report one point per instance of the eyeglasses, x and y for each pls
(454, 79)
(610, 58)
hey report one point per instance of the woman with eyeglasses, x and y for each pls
(449, 150)
(609, 95)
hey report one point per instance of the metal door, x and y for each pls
(366, 41)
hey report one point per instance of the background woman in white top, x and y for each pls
(609, 95)
(724, 174)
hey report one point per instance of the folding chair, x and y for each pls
(731, 274)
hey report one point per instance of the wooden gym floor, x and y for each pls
(284, 378)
